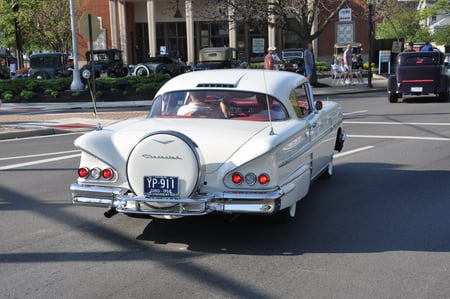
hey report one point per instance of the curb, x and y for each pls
(28, 133)
(317, 91)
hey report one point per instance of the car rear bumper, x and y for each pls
(222, 202)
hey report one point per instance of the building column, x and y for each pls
(123, 31)
(314, 28)
(113, 21)
(191, 55)
(231, 28)
(151, 28)
(271, 30)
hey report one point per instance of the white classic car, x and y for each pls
(226, 141)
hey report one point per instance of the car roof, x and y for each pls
(104, 51)
(278, 84)
(293, 49)
(48, 54)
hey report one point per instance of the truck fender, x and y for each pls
(392, 84)
(444, 84)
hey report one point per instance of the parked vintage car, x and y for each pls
(217, 58)
(6, 60)
(160, 65)
(49, 66)
(252, 145)
(447, 62)
(293, 60)
(419, 73)
(107, 63)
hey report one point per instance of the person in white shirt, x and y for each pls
(276, 58)
(267, 109)
(198, 108)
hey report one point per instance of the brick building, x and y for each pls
(181, 28)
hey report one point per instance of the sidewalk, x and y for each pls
(28, 124)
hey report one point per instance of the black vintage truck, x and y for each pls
(6, 60)
(419, 73)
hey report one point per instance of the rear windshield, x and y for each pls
(289, 54)
(421, 60)
(218, 104)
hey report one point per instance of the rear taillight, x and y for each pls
(263, 178)
(237, 178)
(83, 172)
(95, 173)
(107, 173)
(250, 178)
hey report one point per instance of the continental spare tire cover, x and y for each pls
(165, 155)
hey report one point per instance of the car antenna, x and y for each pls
(267, 105)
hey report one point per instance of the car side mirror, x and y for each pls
(319, 105)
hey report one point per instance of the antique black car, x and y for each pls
(217, 58)
(293, 60)
(6, 60)
(49, 66)
(107, 63)
(160, 65)
(419, 73)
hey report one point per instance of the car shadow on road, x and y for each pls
(385, 209)
(420, 99)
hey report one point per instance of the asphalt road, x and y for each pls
(380, 228)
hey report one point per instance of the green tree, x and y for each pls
(439, 7)
(442, 36)
(298, 16)
(397, 20)
(43, 25)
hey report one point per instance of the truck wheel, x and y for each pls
(112, 74)
(393, 98)
(443, 97)
(40, 76)
(141, 71)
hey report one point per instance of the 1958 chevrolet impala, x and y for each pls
(226, 141)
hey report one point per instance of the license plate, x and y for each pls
(161, 186)
(416, 89)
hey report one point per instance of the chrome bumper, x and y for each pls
(223, 202)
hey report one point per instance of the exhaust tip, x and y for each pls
(111, 212)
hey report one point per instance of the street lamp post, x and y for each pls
(370, 19)
(76, 80)
(18, 36)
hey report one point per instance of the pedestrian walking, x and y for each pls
(269, 63)
(308, 57)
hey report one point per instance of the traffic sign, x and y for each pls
(92, 20)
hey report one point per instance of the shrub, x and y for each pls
(366, 65)
(7, 95)
(26, 94)
(28, 88)
(98, 93)
(321, 66)
(51, 92)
